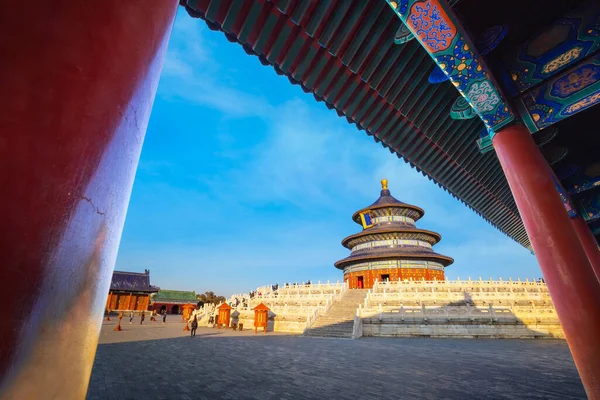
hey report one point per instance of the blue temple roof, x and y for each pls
(132, 282)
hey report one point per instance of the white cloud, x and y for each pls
(192, 73)
(490, 256)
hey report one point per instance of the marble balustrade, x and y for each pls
(511, 309)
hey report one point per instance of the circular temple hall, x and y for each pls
(391, 247)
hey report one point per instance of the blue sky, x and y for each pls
(245, 180)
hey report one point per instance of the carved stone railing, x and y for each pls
(461, 314)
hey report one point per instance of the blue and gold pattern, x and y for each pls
(582, 104)
(565, 42)
(589, 206)
(461, 65)
(575, 81)
(585, 180)
(366, 219)
(464, 61)
(433, 24)
(569, 93)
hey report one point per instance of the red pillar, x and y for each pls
(588, 241)
(78, 80)
(571, 281)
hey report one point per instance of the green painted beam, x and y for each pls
(439, 32)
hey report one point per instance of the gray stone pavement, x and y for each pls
(157, 361)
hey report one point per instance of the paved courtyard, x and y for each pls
(157, 361)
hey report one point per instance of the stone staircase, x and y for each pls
(339, 320)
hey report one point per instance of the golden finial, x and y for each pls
(384, 183)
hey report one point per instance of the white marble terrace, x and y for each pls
(509, 308)
(460, 308)
(296, 306)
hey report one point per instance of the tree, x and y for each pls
(209, 298)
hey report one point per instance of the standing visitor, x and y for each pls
(131, 317)
(194, 326)
(164, 315)
(143, 318)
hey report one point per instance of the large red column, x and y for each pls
(78, 80)
(571, 281)
(588, 241)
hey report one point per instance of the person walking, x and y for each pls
(142, 318)
(131, 317)
(194, 326)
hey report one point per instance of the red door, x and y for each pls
(360, 282)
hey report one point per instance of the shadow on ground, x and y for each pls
(223, 366)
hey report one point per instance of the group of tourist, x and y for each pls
(308, 283)
(142, 317)
(274, 288)
(236, 302)
(244, 303)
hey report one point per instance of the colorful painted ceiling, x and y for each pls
(346, 55)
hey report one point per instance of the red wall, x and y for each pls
(396, 274)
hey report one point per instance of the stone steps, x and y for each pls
(339, 320)
(333, 322)
(329, 334)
